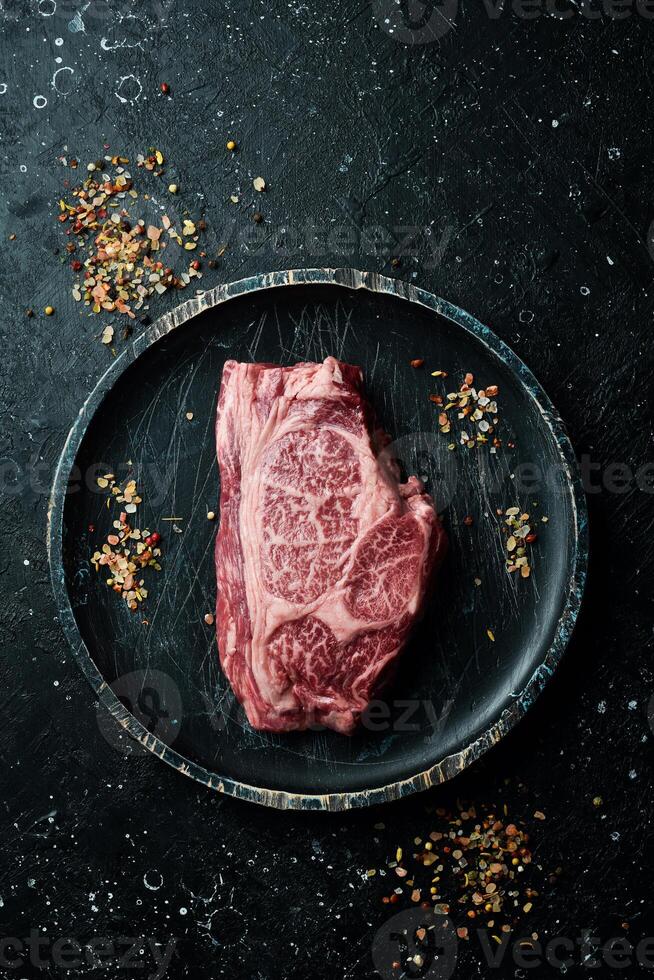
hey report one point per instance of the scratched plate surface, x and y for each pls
(455, 688)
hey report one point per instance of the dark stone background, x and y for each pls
(523, 147)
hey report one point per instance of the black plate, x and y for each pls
(457, 692)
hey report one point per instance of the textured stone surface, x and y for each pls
(512, 159)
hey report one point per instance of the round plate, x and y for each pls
(457, 691)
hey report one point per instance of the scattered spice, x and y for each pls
(211, 516)
(519, 534)
(29, 312)
(127, 550)
(49, 310)
(173, 188)
(468, 520)
(477, 406)
(189, 416)
(257, 217)
(208, 619)
(417, 362)
(476, 864)
(121, 265)
(396, 262)
(12, 237)
(259, 184)
(231, 145)
(165, 88)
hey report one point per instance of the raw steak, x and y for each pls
(323, 557)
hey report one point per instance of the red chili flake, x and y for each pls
(468, 520)
(417, 362)
(165, 88)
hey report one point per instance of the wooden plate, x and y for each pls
(457, 691)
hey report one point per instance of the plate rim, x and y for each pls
(445, 768)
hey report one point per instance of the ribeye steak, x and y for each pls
(323, 557)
